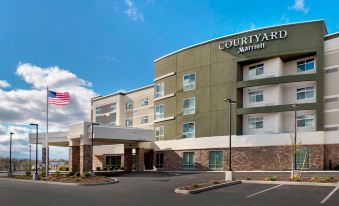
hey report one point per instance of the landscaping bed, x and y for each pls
(315, 179)
(201, 187)
(67, 178)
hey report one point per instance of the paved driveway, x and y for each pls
(158, 189)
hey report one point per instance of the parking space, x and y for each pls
(158, 188)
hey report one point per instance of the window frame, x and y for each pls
(161, 131)
(305, 118)
(189, 110)
(129, 119)
(161, 93)
(256, 120)
(159, 160)
(128, 103)
(188, 135)
(216, 166)
(160, 116)
(144, 102)
(255, 95)
(143, 119)
(300, 154)
(255, 68)
(304, 63)
(190, 86)
(96, 111)
(190, 165)
(305, 90)
(114, 105)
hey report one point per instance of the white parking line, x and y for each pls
(265, 190)
(329, 195)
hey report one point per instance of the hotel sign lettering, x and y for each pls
(253, 42)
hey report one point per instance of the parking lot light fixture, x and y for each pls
(36, 176)
(10, 154)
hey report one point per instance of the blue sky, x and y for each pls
(91, 47)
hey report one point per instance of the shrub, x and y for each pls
(336, 167)
(28, 173)
(116, 168)
(314, 178)
(247, 178)
(272, 178)
(57, 174)
(87, 175)
(105, 168)
(77, 174)
(62, 168)
(122, 168)
(110, 168)
(71, 174)
(98, 168)
(195, 185)
(297, 179)
(77, 179)
(67, 169)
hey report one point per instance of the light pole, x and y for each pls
(295, 135)
(36, 176)
(30, 158)
(10, 154)
(92, 127)
(230, 101)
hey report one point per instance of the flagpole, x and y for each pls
(47, 149)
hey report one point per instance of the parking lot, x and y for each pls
(158, 188)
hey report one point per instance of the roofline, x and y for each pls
(122, 93)
(332, 36)
(238, 33)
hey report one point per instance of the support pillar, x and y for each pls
(140, 161)
(128, 160)
(74, 158)
(86, 159)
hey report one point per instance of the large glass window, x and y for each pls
(113, 107)
(189, 82)
(188, 130)
(144, 120)
(303, 158)
(144, 102)
(257, 96)
(216, 160)
(306, 65)
(159, 112)
(159, 160)
(159, 89)
(305, 121)
(129, 122)
(256, 70)
(113, 162)
(256, 123)
(159, 133)
(305, 93)
(129, 105)
(189, 106)
(189, 160)
(98, 111)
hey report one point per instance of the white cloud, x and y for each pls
(20, 107)
(4, 84)
(299, 5)
(132, 11)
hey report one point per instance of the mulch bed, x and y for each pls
(71, 179)
(201, 185)
(303, 179)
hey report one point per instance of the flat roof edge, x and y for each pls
(331, 36)
(238, 33)
(123, 93)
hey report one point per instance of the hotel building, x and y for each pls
(281, 77)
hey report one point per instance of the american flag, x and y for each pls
(58, 98)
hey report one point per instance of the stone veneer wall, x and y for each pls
(331, 153)
(85, 158)
(74, 158)
(249, 158)
(128, 160)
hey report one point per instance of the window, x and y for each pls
(129, 122)
(257, 96)
(129, 105)
(113, 162)
(111, 119)
(159, 160)
(216, 160)
(144, 102)
(189, 82)
(256, 70)
(144, 120)
(305, 93)
(159, 89)
(303, 155)
(256, 123)
(189, 160)
(189, 106)
(305, 65)
(159, 133)
(113, 107)
(159, 112)
(305, 121)
(98, 111)
(188, 130)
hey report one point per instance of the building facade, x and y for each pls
(267, 72)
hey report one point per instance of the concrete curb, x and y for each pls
(203, 189)
(113, 181)
(291, 183)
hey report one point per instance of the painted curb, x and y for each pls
(185, 192)
(291, 183)
(113, 181)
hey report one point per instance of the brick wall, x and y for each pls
(74, 158)
(331, 154)
(249, 158)
(85, 158)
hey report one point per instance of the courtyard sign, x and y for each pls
(253, 42)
